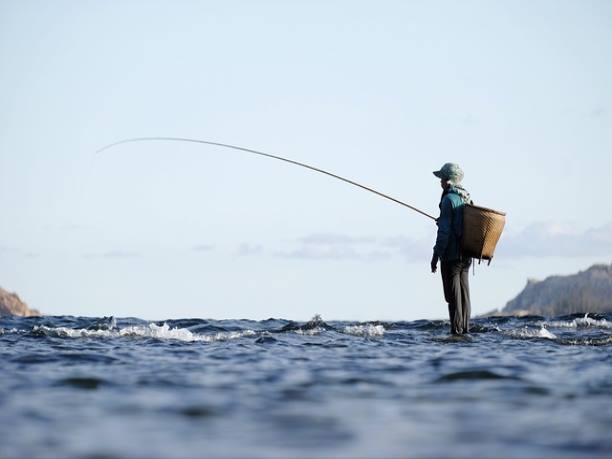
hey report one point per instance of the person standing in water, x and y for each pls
(454, 266)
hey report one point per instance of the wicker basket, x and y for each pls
(482, 228)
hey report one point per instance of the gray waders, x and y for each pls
(455, 280)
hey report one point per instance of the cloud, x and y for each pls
(338, 246)
(77, 227)
(468, 119)
(113, 254)
(202, 248)
(14, 251)
(246, 249)
(63, 227)
(410, 249)
(334, 253)
(550, 239)
(597, 112)
(334, 246)
(334, 239)
(538, 240)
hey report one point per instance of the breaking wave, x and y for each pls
(309, 331)
(142, 331)
(581, 322)
(365, 330)
(530, 333)
(587, 330)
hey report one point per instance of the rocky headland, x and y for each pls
(586, 291)
(11, 305)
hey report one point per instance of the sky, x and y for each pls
(519, 93)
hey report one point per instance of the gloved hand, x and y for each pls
(434, 263)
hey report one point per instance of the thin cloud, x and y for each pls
(334, 253)
(410, 249)
(337, 246)
(246, 249)
(597, 112)
(468, 119)
(77, 227)
(19, 252)
(550, 239)
(539, 240)
(113, 254)
(334, 239)
(202, 248)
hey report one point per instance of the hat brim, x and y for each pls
(438, 174)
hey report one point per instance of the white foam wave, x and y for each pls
(144, 331)
(310, 331)
(581, 322)
(531, 333)
(365, 330)
(589, 341)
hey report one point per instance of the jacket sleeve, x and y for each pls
(444, 227)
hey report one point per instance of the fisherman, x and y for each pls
(454, 265)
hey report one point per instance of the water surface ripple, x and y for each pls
(75, 387)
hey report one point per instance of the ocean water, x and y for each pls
(74, 387)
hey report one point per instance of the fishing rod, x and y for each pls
(267, 155)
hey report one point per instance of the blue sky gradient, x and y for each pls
(519, 93)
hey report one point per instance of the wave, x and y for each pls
(579, 329)
(581, 322)
(369, 330)
(141, 331)
(529, 333)
(603, 341)
(308, 331)
(314, 326)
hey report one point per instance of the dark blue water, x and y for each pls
(76, 387)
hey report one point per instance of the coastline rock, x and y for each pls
(11, 305)
(586, 291)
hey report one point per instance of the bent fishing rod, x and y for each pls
(267, 155)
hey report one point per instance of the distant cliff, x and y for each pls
(11, 305)
(587, 291)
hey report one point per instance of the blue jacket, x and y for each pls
(450, 223)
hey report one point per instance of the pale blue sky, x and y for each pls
(518, 92)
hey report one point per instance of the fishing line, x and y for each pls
(267, 155)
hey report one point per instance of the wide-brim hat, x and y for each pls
(451, 172)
